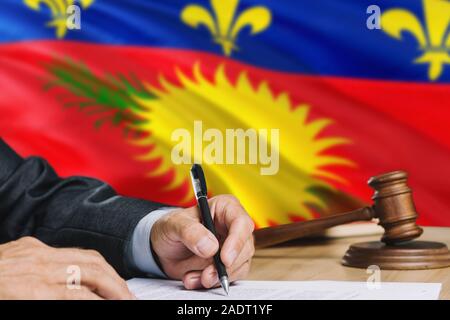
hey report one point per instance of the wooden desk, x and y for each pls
(319, 259)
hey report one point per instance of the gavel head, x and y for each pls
(394, 207)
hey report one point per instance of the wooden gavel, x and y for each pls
(393, 206)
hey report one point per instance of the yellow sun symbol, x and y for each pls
(221, 105)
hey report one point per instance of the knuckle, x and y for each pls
(26, 239)
(231, 198)
(247, 224)
(29, 241)
(236, 209)
(251, 250)
(93, 268)
(100, 261)
(252, 253)
(241, 243)
(228, 198)
(251, 223)
(93, 253)
(97, 258)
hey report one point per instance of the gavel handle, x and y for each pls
(273, 235)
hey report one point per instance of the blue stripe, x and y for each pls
(326, 37)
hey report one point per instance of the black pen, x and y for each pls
(199, 185)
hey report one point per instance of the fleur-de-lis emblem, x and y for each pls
(433, 37)
(223, 23)
(58, 9)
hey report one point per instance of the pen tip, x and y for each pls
(225, 285)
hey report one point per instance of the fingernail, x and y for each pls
(205, 246)
(232, 256)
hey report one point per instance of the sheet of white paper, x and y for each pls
(156, 289)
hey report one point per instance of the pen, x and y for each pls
(200, 190)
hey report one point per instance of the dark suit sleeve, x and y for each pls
(73, 212)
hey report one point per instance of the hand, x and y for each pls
(185, 247)
(29, 269)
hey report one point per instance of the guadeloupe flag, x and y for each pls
(97, 87)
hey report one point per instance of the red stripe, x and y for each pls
(393, 125)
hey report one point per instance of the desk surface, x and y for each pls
(319, 259)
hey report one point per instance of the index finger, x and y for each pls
(240, 228)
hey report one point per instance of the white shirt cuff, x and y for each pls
(142, 257)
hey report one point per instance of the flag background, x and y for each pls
(319, 52)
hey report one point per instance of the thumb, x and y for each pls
(195, 236)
